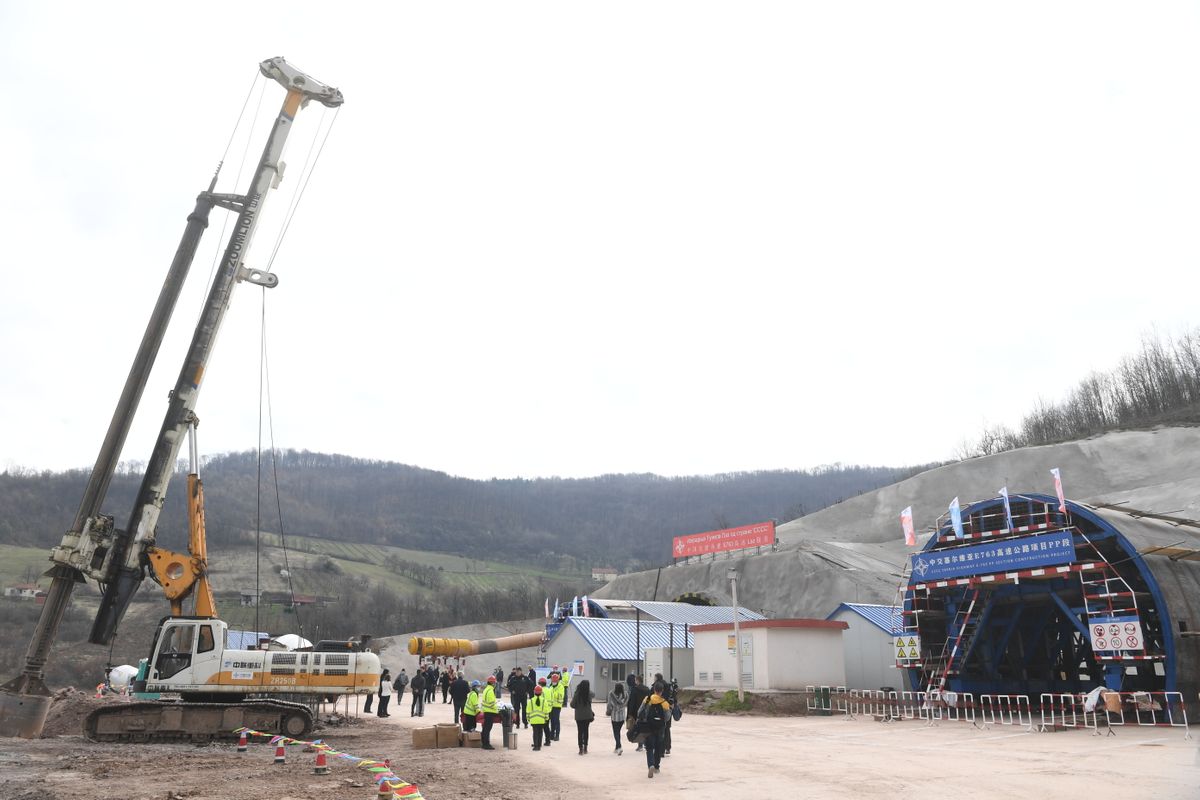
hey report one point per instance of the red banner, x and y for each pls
(761, 534)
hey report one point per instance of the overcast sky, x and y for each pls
(573, 239)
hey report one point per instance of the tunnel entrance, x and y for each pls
(1045, 602)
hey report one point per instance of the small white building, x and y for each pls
(774, 654)
(869, 645)
(605, 651)
(23, 591)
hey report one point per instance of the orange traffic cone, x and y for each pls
(243, 743)
(321, 768)
(280, 758)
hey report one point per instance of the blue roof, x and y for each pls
(886, 618)
(688, 614)
(617, 639)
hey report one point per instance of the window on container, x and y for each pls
(618, 671)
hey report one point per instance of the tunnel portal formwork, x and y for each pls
(1055, 602)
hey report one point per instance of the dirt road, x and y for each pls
(761, 757)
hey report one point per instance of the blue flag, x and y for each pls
(956, 518)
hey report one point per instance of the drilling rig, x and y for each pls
(219, 688)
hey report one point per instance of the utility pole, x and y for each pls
(732, 574)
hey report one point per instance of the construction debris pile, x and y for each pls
(69, 707)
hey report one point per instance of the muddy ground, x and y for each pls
(759, 755)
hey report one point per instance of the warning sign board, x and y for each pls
(907, 648)
(1110, 634)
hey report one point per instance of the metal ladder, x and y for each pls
(959, 635)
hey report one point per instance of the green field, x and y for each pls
(16, 563)
(367, 560)
(317, 566)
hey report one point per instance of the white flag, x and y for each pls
(906, 522)
(1007, 508)
(956, 518)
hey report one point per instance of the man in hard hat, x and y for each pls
(558, 697)
(537, 712)
(471, 707)
(549, 706)
(491, 711)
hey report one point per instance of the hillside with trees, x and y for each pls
(626, 521)
(1159, 385)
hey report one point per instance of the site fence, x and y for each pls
(1053, 711)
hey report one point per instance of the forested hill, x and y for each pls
(618, 520)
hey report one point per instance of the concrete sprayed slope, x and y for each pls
(393, 650)
(1151, 470)
(806, 581)
(854, 551)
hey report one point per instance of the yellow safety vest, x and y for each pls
(489, 700)
(558, 694)
(471, 707)
(565, 679)
(537, 709)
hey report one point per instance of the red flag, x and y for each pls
(1062, 501)
(906, 522)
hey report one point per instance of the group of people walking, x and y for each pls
(642, 713)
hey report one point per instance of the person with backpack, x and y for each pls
(637, 695)
(400, 684)
(417, 709)
(616, 711)
(652, 718)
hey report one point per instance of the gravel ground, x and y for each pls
(754, 756)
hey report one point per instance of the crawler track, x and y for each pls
(176, 721)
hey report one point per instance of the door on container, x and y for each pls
(747, 659)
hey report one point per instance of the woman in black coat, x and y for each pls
(581, 701)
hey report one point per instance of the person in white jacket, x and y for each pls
(385, 693)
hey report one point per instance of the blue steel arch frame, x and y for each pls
(1013, 596)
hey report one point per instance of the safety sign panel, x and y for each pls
(907, 648)
(1115, 633)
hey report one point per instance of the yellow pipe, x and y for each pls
(428, 646)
